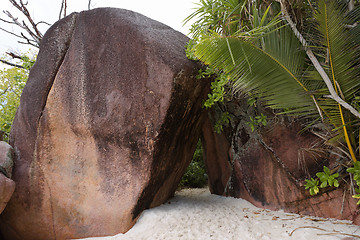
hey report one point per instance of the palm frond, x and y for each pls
(221, 16)
(340, 51)
(340, 54)
(274, 74)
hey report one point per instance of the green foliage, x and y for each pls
(12, 82)
(224, 120)
(252, 69)
(217, 85)
(326, 179)
(252, 101)
(205, 74)
(355, 171)
(189, 50)
(195, 175)
(257, 121)
(228, 17)
(312, 185)
(267, 59)
(27, 62)
(224, 18)
(357, 195)
(260, 54)
(217, 90)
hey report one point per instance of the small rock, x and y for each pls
(6, 159)
(7, 187)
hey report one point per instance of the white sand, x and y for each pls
(195, 214)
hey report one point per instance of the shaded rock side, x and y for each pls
(7, 186)
(106, 127)
(268, 166)
(217, 159)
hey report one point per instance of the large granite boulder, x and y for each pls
(268, 166)
(7, 186)
(107, 124)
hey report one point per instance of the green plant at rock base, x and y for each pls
(326, 179)
(312, 185)
(355, 171)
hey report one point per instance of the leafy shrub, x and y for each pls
(195, 175)
(12, 82)
(326, 179)
(356, 175)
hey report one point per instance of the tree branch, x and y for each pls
(351, 5)
(13, 55)
(25, 11)
(63, 8)
(43, 22)
(5, 91)
(30, 28)
(316, 63)
(5, 21)
(11, 64)
(2, 29)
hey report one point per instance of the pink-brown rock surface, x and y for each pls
(107, 124)
(268, 166)
(216, 158)
(7, 186)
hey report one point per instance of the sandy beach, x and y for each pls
(196, 214)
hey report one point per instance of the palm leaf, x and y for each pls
(273, 73)
(216, 16)
(336, 40)
(340, 57)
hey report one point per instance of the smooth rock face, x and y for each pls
(106, 127)
(7, 186)
(268, 166)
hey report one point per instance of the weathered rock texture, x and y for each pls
(7, 186)
(107, 124)
(268, 166)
